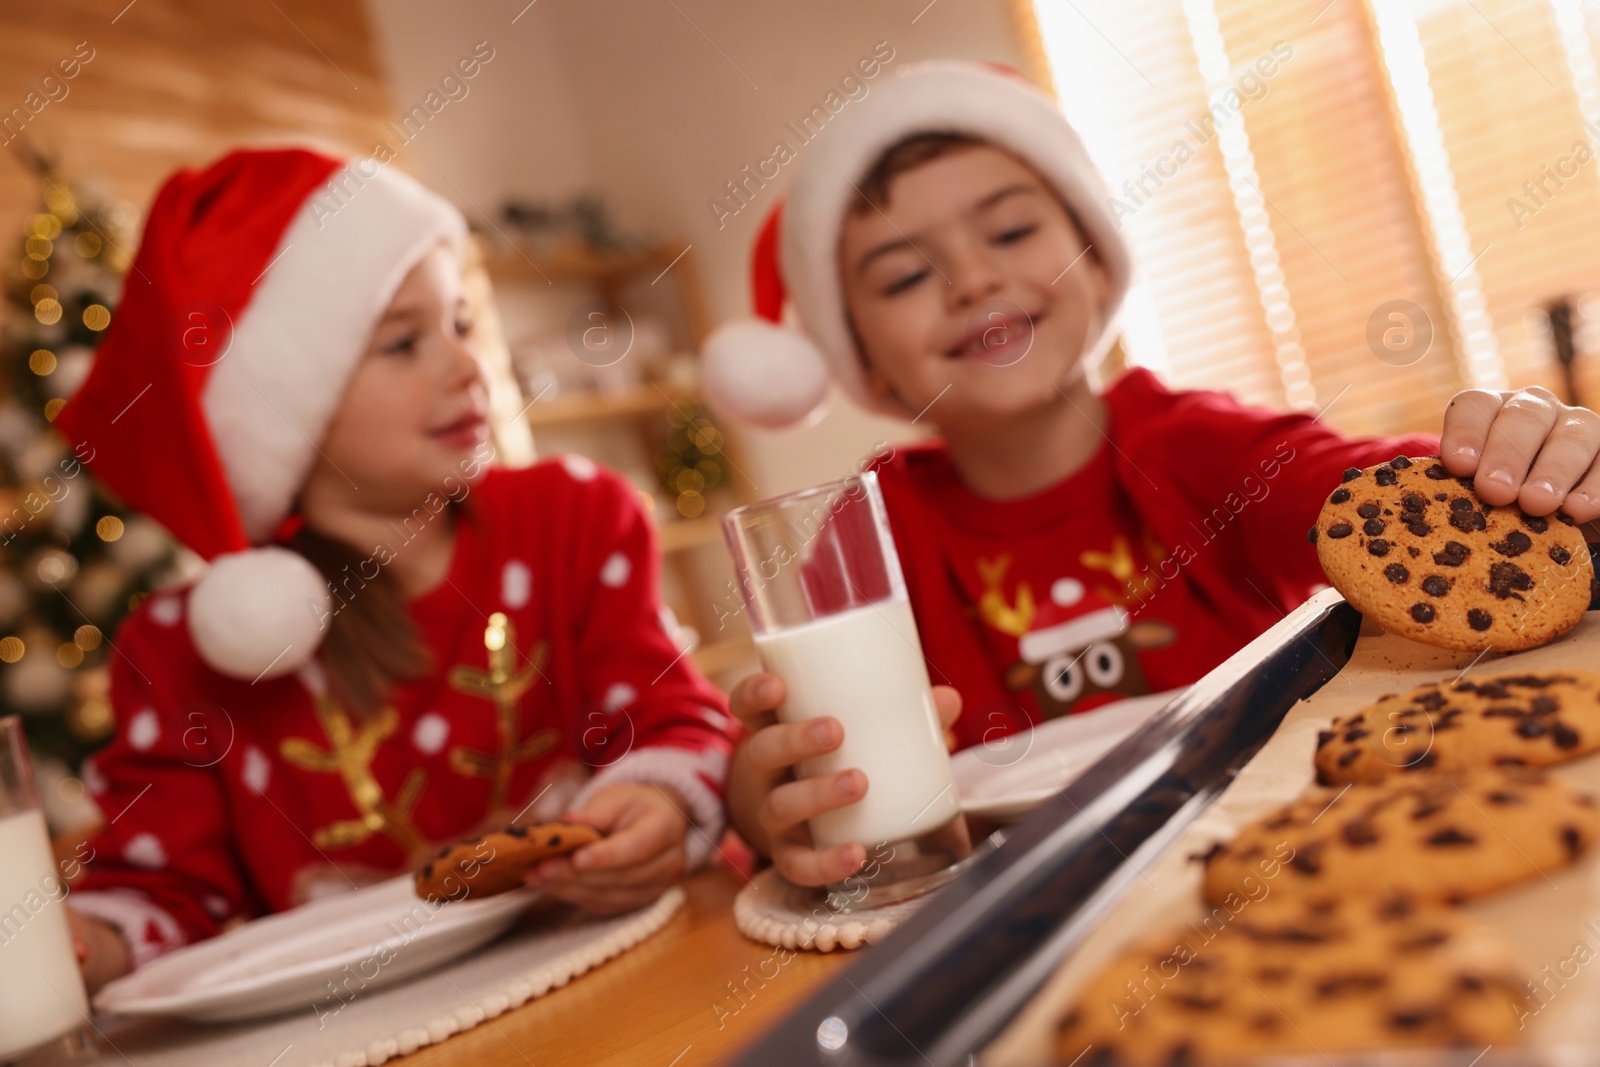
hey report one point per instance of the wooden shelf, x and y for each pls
(725, 655)
(576, 263)
(584, 407)
(680, 534)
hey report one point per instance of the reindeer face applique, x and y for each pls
(1075, 657)
(1086, 661)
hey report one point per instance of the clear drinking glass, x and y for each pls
(42, 999)
(828, 608)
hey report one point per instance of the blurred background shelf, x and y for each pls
(591, 406)
(725, 656)
(597, 355)
(681, 534)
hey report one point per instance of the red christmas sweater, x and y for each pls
(1183, 538)
(228, 800)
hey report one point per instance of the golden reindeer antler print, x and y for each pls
(350, 753)
(503, 685)
(993, 607)
(1119, 564)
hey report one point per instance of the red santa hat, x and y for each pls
(253, 295)
(764, 373)
(1065, 623)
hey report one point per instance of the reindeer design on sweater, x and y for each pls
(1070, 656)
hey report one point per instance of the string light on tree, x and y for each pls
(73, 560)
(690, 460)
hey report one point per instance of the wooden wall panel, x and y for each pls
(176, 82)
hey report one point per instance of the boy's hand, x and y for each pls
(769, 808)
(641, 856)
(1525, 447)
(102, 954)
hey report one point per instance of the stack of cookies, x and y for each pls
(1332, 925)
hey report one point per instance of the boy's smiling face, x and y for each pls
(960, 282)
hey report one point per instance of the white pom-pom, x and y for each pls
(259, 614)
(769, 376)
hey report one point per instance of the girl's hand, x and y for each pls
(102, 954)
(641, 856)
(1525, 447)
(770, 809)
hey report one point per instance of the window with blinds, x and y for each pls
(1352, 207)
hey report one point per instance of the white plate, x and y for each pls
(1004, 779)
(337, 946)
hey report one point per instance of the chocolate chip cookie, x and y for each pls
(497, 861)
(1411, 546)
(1314, 976)
(1522, 719)
(1434, 836)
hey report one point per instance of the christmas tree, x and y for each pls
(73, 560)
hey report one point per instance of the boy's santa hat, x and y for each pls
(1066, 624)
(772, 376)
(253, 296)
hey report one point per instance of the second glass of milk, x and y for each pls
(827, 606)
(42, 999)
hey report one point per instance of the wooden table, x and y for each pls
(668, 1002)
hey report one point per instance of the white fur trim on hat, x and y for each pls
(768, 375)
(260, 613)
(1073, 635)
(271, 396)
(932, 97)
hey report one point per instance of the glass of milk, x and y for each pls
(827, 606)
(42, 999)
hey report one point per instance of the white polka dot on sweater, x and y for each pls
(616, 569)
(430, 733)
(166, 610)
(619, 696)
(144, 730)
(516, 584)
(144, 850)
(715, 718)
(257, 769)
(217, 906)
(580, 467)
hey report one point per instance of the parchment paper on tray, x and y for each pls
(1548, 920)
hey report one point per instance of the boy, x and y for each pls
(949, 249)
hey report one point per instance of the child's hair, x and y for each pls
(908, 154)
(913, 152)
(372, 644)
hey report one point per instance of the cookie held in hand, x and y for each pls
(1432, 836)
(498, 861)
(1411, 546)
(1518, 719)
(1283, 976)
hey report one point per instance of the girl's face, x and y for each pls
(417, 405)
(959, 288)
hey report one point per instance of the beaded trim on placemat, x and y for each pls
(778, 913)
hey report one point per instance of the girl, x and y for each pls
(952, 252)
(420, 645)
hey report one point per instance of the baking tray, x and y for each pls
(944, 983)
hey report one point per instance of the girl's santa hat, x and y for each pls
(764, 373)
(253, 296)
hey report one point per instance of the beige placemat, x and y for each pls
(778, 913)
(1546, 920)
(369, 1029)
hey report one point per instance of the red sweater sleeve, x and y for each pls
(162, 869)
(650, 716)
(1250, 479)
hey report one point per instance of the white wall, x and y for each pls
(655, 104)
